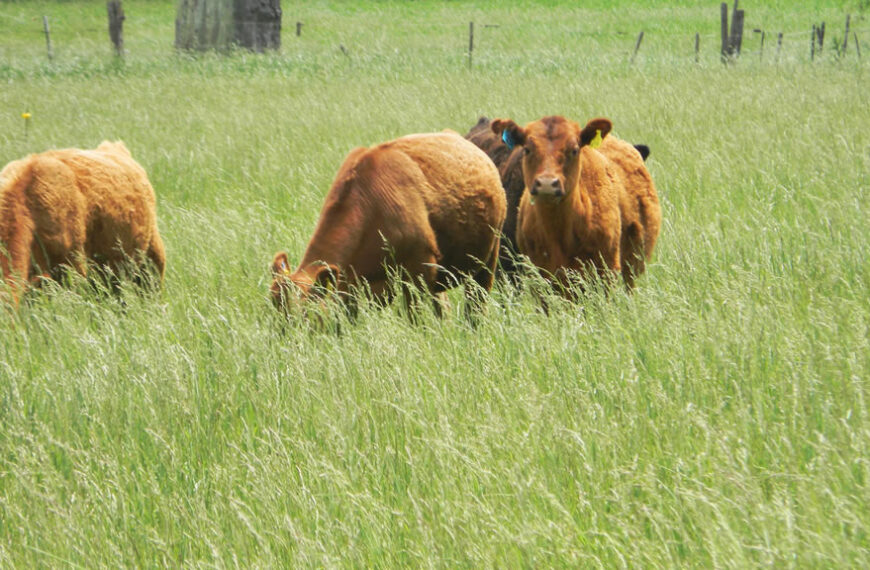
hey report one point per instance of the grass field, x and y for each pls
(718, 417)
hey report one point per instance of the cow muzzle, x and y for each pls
(547, 186)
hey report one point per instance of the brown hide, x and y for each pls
(510, 169)
(583, 208)
(71, 207)
(638, 205)
(429, 205)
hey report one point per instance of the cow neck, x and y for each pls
(337, 234)
(563, 214)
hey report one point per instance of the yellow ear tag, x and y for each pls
(596, 142)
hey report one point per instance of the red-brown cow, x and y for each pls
(589, 202)
(509, 161)
(428, 205)
(71, 207)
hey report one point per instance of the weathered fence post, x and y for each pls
(813, 44)
(470, 42)
(47, 37)
(736, 32)
(732, 43)
(778, 44)
(857, 45)
(697, 45)
(298, 29)
(846, 35)
(820, 32)
(637, 46)
(116, 25)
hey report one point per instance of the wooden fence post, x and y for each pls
(820, 33)
(697, 45)
(813, 44)
(637, 46)
(732, 43)
(470, 42)
(733, 50)
(737, 31)
(116, 26)
(761, 50)
(778, 45)
(846, 35)
(857, 45)
(298, 29)
(47, 37)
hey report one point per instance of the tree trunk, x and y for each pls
(220, 24)
(258, 24)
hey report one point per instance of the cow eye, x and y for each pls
(574, 152)
(527, 150)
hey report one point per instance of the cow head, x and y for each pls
(294, 288)
(551, 151)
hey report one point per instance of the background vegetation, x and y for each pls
(718, 417)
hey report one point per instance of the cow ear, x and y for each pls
(595, 131)
(511, 133)
(280, 264)
(326, 277)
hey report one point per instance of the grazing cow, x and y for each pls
(71, 207)
(588, 203)
(428, 205)
(509, 162)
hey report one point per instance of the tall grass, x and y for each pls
(717, 417)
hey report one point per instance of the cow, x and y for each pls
(588, 201)
(427, 206)
(72, 208)
(509, 162)
(510, 168)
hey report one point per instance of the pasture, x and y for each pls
(717, 417)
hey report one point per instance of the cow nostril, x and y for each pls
(558, 193)
(534, 190)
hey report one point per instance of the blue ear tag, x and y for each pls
(508, 139)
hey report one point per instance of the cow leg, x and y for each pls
(41, 267)
(476, 296)
(422, 279)
(150, 273)
(15, 261)
(632, 255)
(157, 254)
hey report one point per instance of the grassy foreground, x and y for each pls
(718, 417)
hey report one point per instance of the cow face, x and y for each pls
(551, 151)
(294, 289)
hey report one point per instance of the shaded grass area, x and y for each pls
(715, 418)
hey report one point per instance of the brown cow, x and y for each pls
(589, 201)
(70, 207)
(509, 161)
(428, 205)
